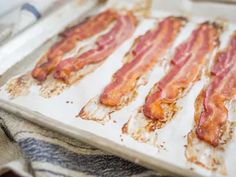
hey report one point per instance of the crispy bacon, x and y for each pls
(221, 89)
(148, 49)
(186, 67)
(105, 46)
(70, 37)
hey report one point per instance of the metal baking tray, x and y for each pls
(59, 112)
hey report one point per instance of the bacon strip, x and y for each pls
(148, 49)
(220, 90)
(105, 46)
(92, 25)
(186, 66)
(70, 37)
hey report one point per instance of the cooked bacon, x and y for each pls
(148, 49)
(70, 37)
(105, 46)
(221, 89)
(186, 66)
(92, 25)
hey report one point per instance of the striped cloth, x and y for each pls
(30, 150)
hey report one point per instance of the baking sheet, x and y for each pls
(62, 110)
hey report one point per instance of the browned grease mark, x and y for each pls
(138, 137)
(102, 1)
(215, 161)
(19, 86)
(51, 88)
(125, 128)
(87, 116)
(143, 8)
(170, 111)
(107, 110)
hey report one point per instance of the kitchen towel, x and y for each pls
(24, 15)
